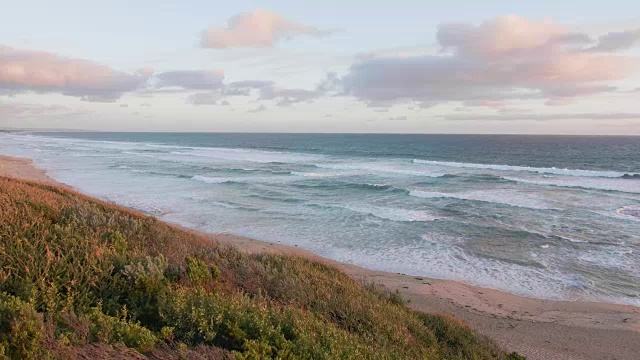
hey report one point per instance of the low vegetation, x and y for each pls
(84, 279)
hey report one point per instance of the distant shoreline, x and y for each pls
(308, 133)
(539, 329)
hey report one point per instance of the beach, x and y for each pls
(536, 328)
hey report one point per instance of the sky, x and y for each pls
(545, 67)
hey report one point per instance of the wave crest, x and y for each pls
(540, 170)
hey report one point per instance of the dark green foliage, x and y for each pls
(460, 342)
(21, 329)
(198, 272)
(515, 356)
(254, 330)
(79, 276)
(110, 330)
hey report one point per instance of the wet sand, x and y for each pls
(536, 328)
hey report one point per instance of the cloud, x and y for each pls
(287, 97)
(204, 98)
(506, 58)
(243, 88)
(260, 108)
(22, 110)
(544, 117)
(267, 90)
(617, 41)
(253, 84)
(39, 71)
(190, 79)
(256, 29)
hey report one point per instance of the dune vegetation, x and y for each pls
(81, 278)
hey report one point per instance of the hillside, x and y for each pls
(84, 279)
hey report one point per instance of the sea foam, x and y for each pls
(541, 170)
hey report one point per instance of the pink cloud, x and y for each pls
(501, 59)
(27, 70)
(259, 28)
(499, 36)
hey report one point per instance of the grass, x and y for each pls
(81, 278)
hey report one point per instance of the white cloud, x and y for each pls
(287, 97)
(190, 79)
(204, 98)
(259, 108)
(23, 110)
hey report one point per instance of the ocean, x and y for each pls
(554, 217)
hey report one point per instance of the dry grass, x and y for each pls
(84, 279)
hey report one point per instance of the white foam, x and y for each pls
(248, 155)
(314, 174)
(394, 214)
(443, 260)
(541, 170)
(380, 167)
(502, 196)
(209, 180)
(245, 179)
(631, 212)
(622, 185)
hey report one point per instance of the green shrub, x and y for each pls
(384, 294)
(118, 241)
(113, 330)
(138, 287)
(21, 329)
(147, 275)
(255, 331)
(515, 356)
(461, 342)
(198, 272)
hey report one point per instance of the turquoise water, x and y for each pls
(545, 216)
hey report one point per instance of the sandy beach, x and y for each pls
(538, 329)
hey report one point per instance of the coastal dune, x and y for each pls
(538, 329)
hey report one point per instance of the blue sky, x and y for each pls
(360, 41)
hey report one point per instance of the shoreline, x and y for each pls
(536, 328)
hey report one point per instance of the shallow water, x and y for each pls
(548, 217)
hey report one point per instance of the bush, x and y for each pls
(199, 273)
(255, 331)
(147, 275)
(461, 342)
(137, 287)
(112, 330)
(21, 329)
